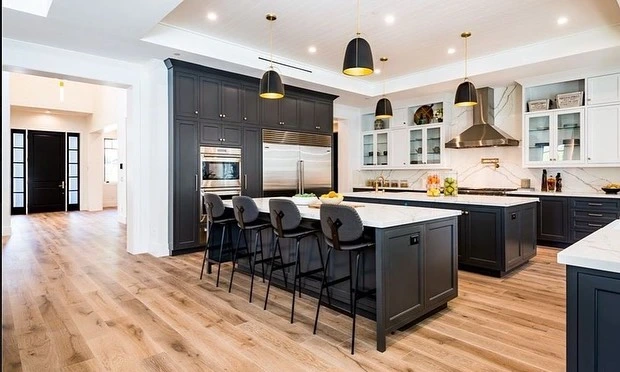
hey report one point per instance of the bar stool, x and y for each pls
(216, 216)
(286, 220)
(246, 214)
(343, 230)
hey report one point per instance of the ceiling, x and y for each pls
(510, 39)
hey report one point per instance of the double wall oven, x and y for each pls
(220, 169)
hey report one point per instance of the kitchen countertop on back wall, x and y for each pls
(565, 194)
(494, 201)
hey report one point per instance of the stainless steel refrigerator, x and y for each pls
(296, 163)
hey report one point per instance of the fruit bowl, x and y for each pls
(334, 200)
(610, 190)
(303, 200)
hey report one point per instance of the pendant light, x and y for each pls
(271, 86)
(384, 106)
(466, 91)
(358, 56)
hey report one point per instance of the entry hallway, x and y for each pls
(74, 300)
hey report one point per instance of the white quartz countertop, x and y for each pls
(592, 194)
(494, 201)
(599, 250)
(372, 215)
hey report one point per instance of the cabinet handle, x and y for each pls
(317, 127)
(595, 215)
(245, 181)
(595, 225)
(196, 178)
(466, 213)
(595, 204)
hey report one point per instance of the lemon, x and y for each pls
(332, 194)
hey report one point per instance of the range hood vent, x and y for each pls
(483, 133)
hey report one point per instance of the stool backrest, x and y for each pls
(284, 215)
(213, 205)
(340, 223)
(245, 210)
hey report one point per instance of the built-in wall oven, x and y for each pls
(220, 171)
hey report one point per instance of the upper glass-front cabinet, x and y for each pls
(426, 146)
(375, 148)
(554, 137)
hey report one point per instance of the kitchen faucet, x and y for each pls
(377, 183)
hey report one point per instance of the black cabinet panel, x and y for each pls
(270, 112)
(513, 238)
(288, 112)
(220, 100)
(250, 104)
(209, 99)
(220, 134)
(324, 116)
(185, 94)
(484, 234)
(231, 135)
(440, 280)
(210, 133)
(230, 102)
(553, 219)
(306, 114)
(252, 183)
(185, 185)
(528, 232)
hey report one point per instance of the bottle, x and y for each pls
(551, 183)
(543, 185)
(558, 183)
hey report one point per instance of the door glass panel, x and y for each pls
(73, 156)
(539, 137)
(73, 143)
(73, 197)
(18, 155)
(18, 185)
(73, 184)
(73, 170)
(18, 200)
(569, 141)
(415, 146)
(18, 170)
(433, 146)
(18, 140)
(369, 149)
(382, 149)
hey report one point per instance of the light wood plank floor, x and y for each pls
(74, 300)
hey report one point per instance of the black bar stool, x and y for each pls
(246, 214)
(285, 220)
(216, 216)
(343, 230)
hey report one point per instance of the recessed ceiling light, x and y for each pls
(176, 54)
(451, 50)
(211, 16)
(377, 71)
(562, 20)
(389, 19)
(312, 49)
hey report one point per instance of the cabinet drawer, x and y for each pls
(590, 225)
(580, 234)
(592, 215)
(595, 205)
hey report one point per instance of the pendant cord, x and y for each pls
(271, 45)
(358, 18)
(465, 58)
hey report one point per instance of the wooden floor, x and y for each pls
(74, 300)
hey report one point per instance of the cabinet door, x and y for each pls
(603, 89)
(368, 152)
(324, 117)
(604, 134)
(382, 148)
(569, 132)
(210, 99)
(434, 144)
(185, 94)
(252, 183)
(553, 219)
(512, 225)
(288, 112)
(538, 138)
(231, 135)
(398, 142)
(270, 112)
(440, 263)
(186, 207)
(210, 133)
(416, 146)
(306, 115)
(230, 102)
(400, 118)
(250, 103)
(485, 243)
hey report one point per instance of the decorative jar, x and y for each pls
(450, 184)
(433, 185)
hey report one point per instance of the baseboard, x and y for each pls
(159, 250)
(6, 230)
(121, 218)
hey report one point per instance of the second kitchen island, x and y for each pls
(413, 266)
(497, 234)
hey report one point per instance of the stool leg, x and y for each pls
(357, 276)
(296, 277)
(219, 263)
(262, 258)
(276, 244)
(350, 282)
(318, 245)
(204, 259)
(323, 284)
(282, 263)
(234, 261)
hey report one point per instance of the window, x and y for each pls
(18, 171)
(73, 171)
(110, 160)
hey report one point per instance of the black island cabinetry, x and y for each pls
(218, 108)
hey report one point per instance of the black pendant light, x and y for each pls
(358, 56)
(384, 106)
(466, 91)
(271, 86)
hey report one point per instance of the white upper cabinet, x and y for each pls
(604, 134)
(399, 119)
(603, 89)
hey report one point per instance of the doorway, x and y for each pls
(46, 171)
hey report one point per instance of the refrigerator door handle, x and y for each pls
(301, 176)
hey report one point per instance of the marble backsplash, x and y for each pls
(472, 173)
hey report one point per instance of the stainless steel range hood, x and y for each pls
(483, 133)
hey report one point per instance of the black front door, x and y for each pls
(46, 171)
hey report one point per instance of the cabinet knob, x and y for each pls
(589, 158)
(223, 139)
(245, 118)
(223, 115)
(196, 112)
(466, 212)
(317, 127)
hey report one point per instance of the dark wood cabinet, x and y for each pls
(220, 100)
(185, 185)
(553, 219)
(589, 214)
(315, 116)
(281, 113)
(592, 325)
(250, 112)
(251, 163)
(220, 134)
(185, 94)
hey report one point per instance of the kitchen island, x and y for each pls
(413, 266)
(497, 234)
(593, 301)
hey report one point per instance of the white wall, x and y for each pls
(43, 60)
(348, 119)
(6, 156)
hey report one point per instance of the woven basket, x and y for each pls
(538, 105)
(566, 100)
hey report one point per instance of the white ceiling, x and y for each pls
(511, 38)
